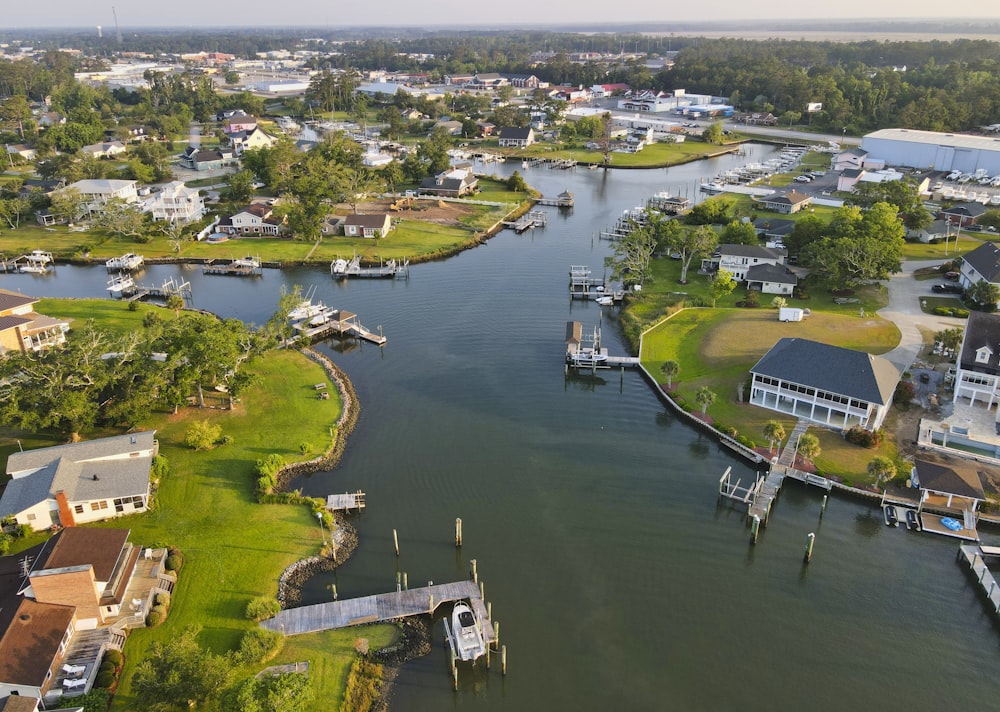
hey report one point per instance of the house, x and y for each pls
(107, 149)
(176, 203)
(239, 122)
(32, 186)
(954, 488)
(983, 263)
(23, 150)
(373, 225)
(829, 385)
(196, 159)
(96, 192)
(962, 215)
(51, 118)
(851, 158)
(62, 603)
(22, 329)
(773, 229)
(485, 128)
(771, 279)
(375, 159)
(255, 220)
(848, 178)
(80, 482)
(738, 259)
(514, 137)
(453, 184)
(977, 375)
(454, 128)
(240, 141)
(756, 119)
(524, 81)
(792, 202)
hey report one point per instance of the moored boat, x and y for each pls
(891, 518)
(466, 633)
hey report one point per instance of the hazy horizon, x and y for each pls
(71, 14)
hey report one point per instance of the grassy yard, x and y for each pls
(234, 548)
(928, 251)
(717, 347)
(653, 156)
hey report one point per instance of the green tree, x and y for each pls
(392, 175)
(774, 431)
(808, 447)
(670, 369)
(983, 296)
(713, 133)
(175, 303)
(704, 397)
(949, 338)
(202, 435)
(633, 253)
(231, 77)
(516, 183)
(881, 468)
(690, 243)
(285, 692)
(239, 186)
(123, 218)
(179, 674)
(739, 232)
(779, 302)
(722, 285)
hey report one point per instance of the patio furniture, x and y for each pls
(73, 669)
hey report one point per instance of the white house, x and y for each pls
(176, 203)
(81, 482)
(108, 149)
(738, 259)
(982, 264)
(977, 374)
(256, 220)
(96, 192)
(514, 137)
(830, 385)
(771, 279)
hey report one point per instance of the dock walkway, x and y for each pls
(348, 501)
(377, 608)
(974, 556)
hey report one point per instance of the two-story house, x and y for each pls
(255, 220)
(981, 264)
(197, 159)
(253, 138)
(738, 259)
(514, 137)
(176, 203)
(23, 329)
(977, 373)
(96, 192)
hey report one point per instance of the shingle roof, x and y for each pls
(778, 274)
(981, 330)
(374, 220)
(985, 259)
(959, 479)
(767, 253)
(793, 197)
(31, 642)
(13, 300)
(512, 132)
(78, 546)
(830, 368)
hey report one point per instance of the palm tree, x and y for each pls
(670, 369)
(882, 469)
(774, 431)
(176, 303)
(704, 397)
(809, 446)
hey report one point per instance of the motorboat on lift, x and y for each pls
(465, 634)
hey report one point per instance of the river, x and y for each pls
(616, 577)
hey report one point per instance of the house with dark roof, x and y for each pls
(771, 279)
(977, 374)
(25, 330)
(792, 202)
(196, 159)
(833, 386)
(88, 481)
(452, 183)
(514, 137)
(32, 647)
(738, 259)
(773, 229)
(848, 178)
(255, 220)
(982, 264)
(372, 225)
(954, 488)
(256, 137)
(850, 158)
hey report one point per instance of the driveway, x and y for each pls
(904, 311)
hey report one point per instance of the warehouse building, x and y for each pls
(931, 150)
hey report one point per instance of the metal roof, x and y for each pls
(937, 138)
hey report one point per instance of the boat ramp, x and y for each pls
(528, 221)
(379, 607)
(388, 269)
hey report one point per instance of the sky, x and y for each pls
(198, 13)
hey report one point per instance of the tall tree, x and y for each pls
(774, 431)
(179, 674)
(723, 285)
(690, 243)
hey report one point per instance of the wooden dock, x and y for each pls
(234, 268)
(346, 502)
(767, 492)
(586, 353)
(377, 608)
(389, 269)
(340, 323)
(168, 289)
(563, 200)
(528, 221)
(733, 491)
(975, 556)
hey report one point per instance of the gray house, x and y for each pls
(829, 385)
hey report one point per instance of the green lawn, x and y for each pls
(717, 347)
(928, 251)
(653, 156)
(234, 548)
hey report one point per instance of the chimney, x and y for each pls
(65, 511)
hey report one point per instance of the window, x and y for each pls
(31, 517)
(78, 509)
(983, 355)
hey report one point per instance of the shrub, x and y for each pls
(258, 645)
(202, 435)
(226, 440)
(153, 619)
(364, 682)
(266, 484)
(162, 599)
(5, 540)
(174, 562)
(262, 608)
(162, 610)
(106, 666)
(161, 467)
(270, 465)
(905, 392)
(105, 680)
(746, 442)
(864, 438)
(304, 447)
(115, 657)
(133, 306)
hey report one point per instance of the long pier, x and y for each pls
(340, 322)
(975, 556)
(235, 268)
(377, 608)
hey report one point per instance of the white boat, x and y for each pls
(605, 301)
(31, 268)
(247, 262)
(466, 633)
(322, 317)
(306, 310)
(590, 357)
(37, 262)
(39, 257)
(712, 188)
(127, 262)
(995, 200)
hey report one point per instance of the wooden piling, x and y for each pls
(399, 579)
(334, 587)
(822, 507)
(405, 587)
(496, 632)
(489, 610)
(475, 574)
(482, 590)
(503, 660)
(458, 532)
(810, 540)
(754, 528)
(395, 540)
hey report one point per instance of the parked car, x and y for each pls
(951, 276)
(946, 288)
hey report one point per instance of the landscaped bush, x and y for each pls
(162, 599)
(160, 467)
(952, 311)
(905, 393)
(746, 442)
(153, 619)
(106, 666)
(259, 645)
(105, 680)
(262, 608)
(174, 562)
(115, 657)
(162, 610)
(864, 438)
(363, 685)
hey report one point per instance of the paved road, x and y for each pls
(904, 311)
